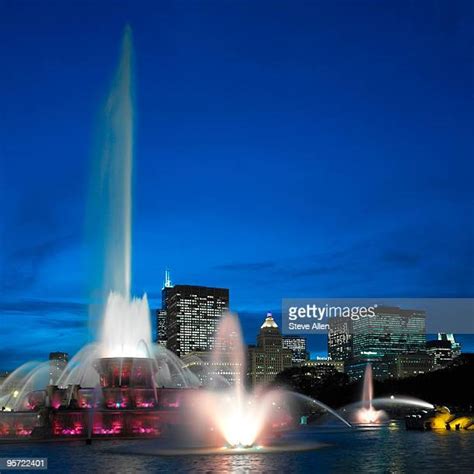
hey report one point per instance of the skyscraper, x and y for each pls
(444, 349)
(391, 332)
(340, 339)
(161, 315)
(297, 346)
(268, 357)
(192, 317)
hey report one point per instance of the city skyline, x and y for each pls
(317, 343)
(261, 162)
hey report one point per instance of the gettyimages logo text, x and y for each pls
(313, 311)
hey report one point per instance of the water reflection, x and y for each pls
(376, 450)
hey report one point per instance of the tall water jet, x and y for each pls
(113, 201)
(367, 414)
(368, 388)
(125, 328)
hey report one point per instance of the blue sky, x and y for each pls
(283, 149)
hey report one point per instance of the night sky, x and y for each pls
(283, 149)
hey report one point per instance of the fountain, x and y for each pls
(368, 414)
(123, 384)
(369, 411)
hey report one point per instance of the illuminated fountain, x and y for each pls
(243, 419)
(123, 384)
(369, 411)
(368, 414)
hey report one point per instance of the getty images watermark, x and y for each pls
(308, 317)
(378, 315)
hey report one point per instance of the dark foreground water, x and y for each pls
(388, 449)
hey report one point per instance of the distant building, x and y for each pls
(455, 346)
(212, 371)
(409, 364)
(444, 349)
(57, 363)
(340, 339)
(381, 368)
(392, 366)
(297, 346)
(392, 331)
(161, 319)
(326, 365)
(268, 357)
(192, 317)
(161, 326)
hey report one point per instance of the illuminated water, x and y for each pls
(242, 417)
(388, 449)
(368, 412)
(110, 207)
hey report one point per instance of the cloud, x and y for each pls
(50, 325)
(22, 265)
(41, 306)
(401, 258)
(243, 267)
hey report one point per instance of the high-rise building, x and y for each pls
(444, 349)
(455, 346)
(160, 314)
(268, 357)
(340, 339)
(297, 345)
(392, 331)
(192, 316)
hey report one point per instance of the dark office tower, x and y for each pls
(384, 338)
(161, 317)
(392, 330)
(297, 345)
(455, 346)
(444, 349)
(340, 339)
(193, 314)
(166, 286)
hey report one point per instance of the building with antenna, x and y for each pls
(161, 314)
